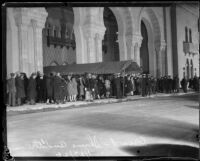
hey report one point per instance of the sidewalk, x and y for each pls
(26, 108)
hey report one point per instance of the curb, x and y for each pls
(69, 105)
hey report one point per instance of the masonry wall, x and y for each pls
(187, 19)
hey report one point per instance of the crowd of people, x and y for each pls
(54, 88)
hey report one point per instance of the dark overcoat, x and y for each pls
(32, 92)
(49, 86)
(118, 90)
(57, 88)
(19, 87)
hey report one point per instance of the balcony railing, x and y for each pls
(190, 48)
(57, 41)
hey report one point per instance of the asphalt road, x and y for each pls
(163, 126)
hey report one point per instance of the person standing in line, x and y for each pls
(148, 85)
(20, 94)
(184, 84)
(11, 90)
(25, 87)
(32, 92)
(107, 86)
(70, 88)
(74, 91)
(88, 88)
(58, 88)
(81, 86)
(49, 88)
(41, 90)
(101, 87)
(143, 84)
(133, 86)
(129, 86)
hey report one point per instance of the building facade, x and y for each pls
(162, 40)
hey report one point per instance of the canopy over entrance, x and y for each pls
(128, 67)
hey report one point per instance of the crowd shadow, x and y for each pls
(144, 125)
(194, 107)
(189, 97)
(165, 150)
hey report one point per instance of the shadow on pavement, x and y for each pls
(169, 150)
(194, 107)
(144, 125)
(187, 97)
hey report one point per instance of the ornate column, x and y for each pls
(130, 47)
(23, 17)
(159, 51)
(22, 23)
(90, 50)
(133, 47)
(38, 47)
(137, 52)
(93, 30)
(39, 20)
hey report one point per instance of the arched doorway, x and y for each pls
(150, 20)
(144, 51)
(110, 45)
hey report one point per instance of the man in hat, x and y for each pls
(11, 89)
(32, 93)
(20, 91)
(41, 87)
(143, 85)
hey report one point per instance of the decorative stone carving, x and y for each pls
(133, 47)
(159, 51)
(35, 17)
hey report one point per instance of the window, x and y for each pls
(186, 34)
(190, 35)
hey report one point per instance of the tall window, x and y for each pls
(191, 68)
(187, 69)
(186, 34)
(190, 35)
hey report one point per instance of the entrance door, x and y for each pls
(144, 52)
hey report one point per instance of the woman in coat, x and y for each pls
(32, 92)
(108, 87)
(129, 86)
(81, 86)
(74, 90)
(70, 89)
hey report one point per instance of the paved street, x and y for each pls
(151, 126)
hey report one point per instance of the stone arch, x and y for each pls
(128, 19)
(152, 56)
(148, 12)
